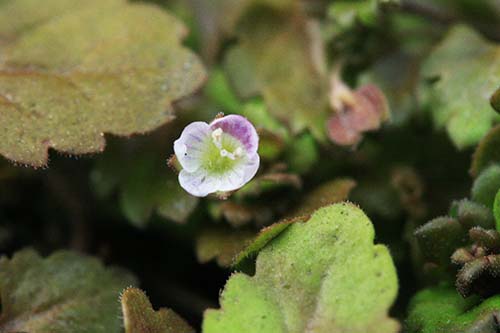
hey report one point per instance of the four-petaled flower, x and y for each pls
(217, 157)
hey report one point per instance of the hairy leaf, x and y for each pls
(63, 82)
(326, 194)
(325, 275)
(139, 316)
(439, 237)
(443, 310)
(63, 293)
(467, 70)
(253, 247)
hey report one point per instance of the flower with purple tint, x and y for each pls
(217, 157)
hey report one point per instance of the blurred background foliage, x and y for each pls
(276, 62)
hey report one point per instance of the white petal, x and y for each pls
(233, 179)
(198, 183)
(191, 144)
(251, 167)
(240, 175)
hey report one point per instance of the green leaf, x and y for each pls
(495, 100)
(143, 193)
(439, 237)
(326, 194)
(17, 16)
(486, 186)
(269, 181)
(139, 316)
(218, 19)
(443, 310)
(63, 293)
(471, 214)
(273, 58)
(467, 69)
(219, 90)
(222, 244)
(496, 210)
(487, 152)
(346, 14)
(64, 83)
(252, 248)
(325, 275)
(145, 186)
(302, 153)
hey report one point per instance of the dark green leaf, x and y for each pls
(63, 293)
(443, 310)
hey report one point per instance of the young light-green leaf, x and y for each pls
(63, 293)
(323, 275)
(328, 193)
(139, 316)
(64, 83)
(467, 69)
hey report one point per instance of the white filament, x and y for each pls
(217, 140)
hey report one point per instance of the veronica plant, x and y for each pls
(217, 157)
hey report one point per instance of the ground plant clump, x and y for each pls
(250, 166)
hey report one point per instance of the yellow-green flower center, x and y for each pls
(222, 152)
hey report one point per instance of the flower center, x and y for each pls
(217, 140)
(224, 152)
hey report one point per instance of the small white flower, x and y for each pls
(217, 157)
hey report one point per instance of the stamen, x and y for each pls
(225, 153)
(238, 152)
(217, 137)
(217, 140)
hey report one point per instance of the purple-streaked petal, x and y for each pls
(200, 141)
(198, 183)
(190, 145)
(241, 129)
